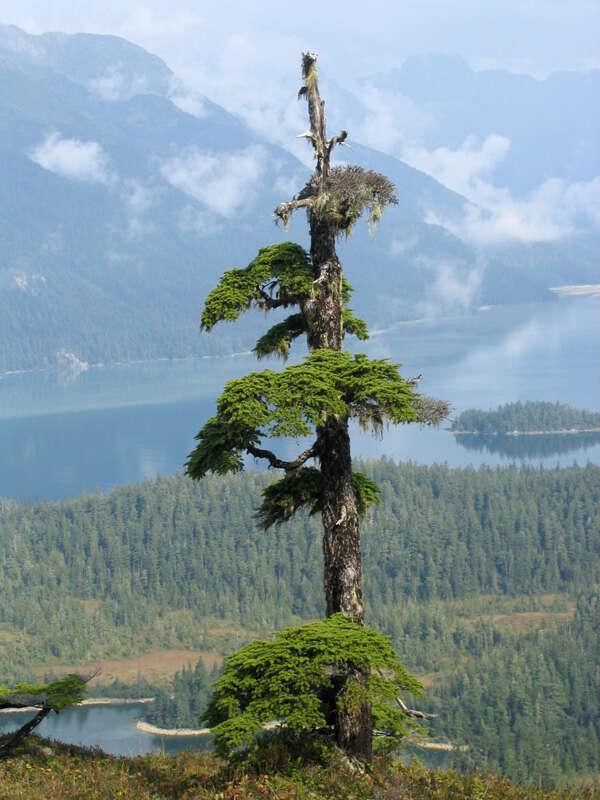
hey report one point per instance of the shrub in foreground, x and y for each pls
(294, 681)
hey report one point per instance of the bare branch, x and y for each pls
(92, 675)
(410, 712)
(307, 135)
(268, 301)
(432, 411)
(284, 210)
(336, 140)
(277, 463)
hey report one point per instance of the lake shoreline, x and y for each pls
(561, 432)
(90, 701)
(103, 364)
(147, 727)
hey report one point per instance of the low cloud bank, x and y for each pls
(222, 183)
(72, 158)
(554, 210)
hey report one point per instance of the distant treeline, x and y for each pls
(527, 417)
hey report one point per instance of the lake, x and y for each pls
(111, 727)
(64, 433)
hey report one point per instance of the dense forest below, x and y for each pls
(463, 568)
(529, 417)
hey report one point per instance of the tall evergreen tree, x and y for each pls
(320, 396)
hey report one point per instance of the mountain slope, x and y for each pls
(119, 211)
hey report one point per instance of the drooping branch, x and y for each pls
(277, 340)
(278, 463)
(279, 276)
(303, 488)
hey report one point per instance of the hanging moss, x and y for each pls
(347, 193)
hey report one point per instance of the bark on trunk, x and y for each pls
(341, 538)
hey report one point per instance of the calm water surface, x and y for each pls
(110, 727)
(62, 434)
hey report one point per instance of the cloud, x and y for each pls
(461, 170)
(200, 221)
(400, 246)
(453, 285)
(117, 84)
(74, 159)
(190, 101)
(554, 210)
(222, 183)
(138, 199)
(391, 120)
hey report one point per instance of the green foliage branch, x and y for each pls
(54, 696)
(280, 276)
(291, 680)
(293, 403)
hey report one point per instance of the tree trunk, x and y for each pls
(343, 572)
(341, 531)
(9, 745)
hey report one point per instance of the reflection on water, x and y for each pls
(529, 448)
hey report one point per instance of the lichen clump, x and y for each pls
(346, 193)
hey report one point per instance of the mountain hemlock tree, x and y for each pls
(320, 396)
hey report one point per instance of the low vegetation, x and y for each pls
(43, 769)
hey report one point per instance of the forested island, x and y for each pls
(530, 417)
(473, 573)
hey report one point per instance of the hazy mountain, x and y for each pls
(119, 211)
(553, 124)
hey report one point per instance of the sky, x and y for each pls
(535, 36)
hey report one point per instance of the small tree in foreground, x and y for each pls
(45, 698)
(300, 679)
(319, 397)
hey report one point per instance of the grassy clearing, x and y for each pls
(157, 666)
(42, 769)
